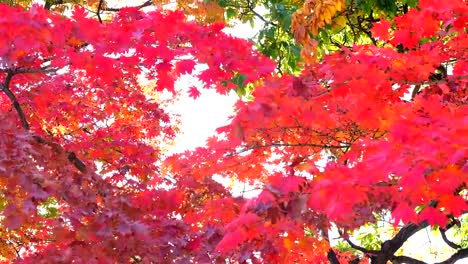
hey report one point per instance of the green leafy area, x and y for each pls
(49, 208)
(275, 38)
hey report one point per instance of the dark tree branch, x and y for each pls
(351, 26)
(98, 12)
(297, 145)
(408, 231)
(14, 247)
(331, 255)
(460, 254)
(447, 241)
(389, 247)
(300, 145)
(415, 91)
(250, 7)
(28, 70)
(112, 9)
(362, 249)
(5, 87)
(76, 162)
(430, 82)
(406, 260)
(264, 20)
(49, 3)
(395, 81)
(365, 31)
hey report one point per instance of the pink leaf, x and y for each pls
(194, 92)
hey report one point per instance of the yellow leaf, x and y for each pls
(327, 15)
(288, 243)
(339, 22)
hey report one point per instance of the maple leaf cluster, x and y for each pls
(81, 134)
(370, 129)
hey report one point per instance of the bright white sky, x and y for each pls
(200, 117)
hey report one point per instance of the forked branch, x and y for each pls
(389, 248)
(5, 87)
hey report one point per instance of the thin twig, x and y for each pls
(255, 13)
(361, 27)
(362, 249)
(268, 22)
(454, 78)
(271, 145)
(447, 241)
(113, 9)
(29, 70)
(14, 247)
(406, 260)
(98, 12)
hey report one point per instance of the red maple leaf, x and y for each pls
(194, 92)
(381, 30)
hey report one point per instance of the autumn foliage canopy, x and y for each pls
(371, 132)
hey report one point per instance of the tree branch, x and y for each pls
(361, 27)
(391, 246)
(264, 20)
(28, 70)
(304, 145)
(112, 9)
(290, 145)
(49, 3)
(460, 254)
(14, 247)
(5, 87)
(362, 249)
(76, 161)
(250, 7)
(415, 91)
(331, 255)
(406, 260)
(98, 12)
(447, 241)
(430, 82)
